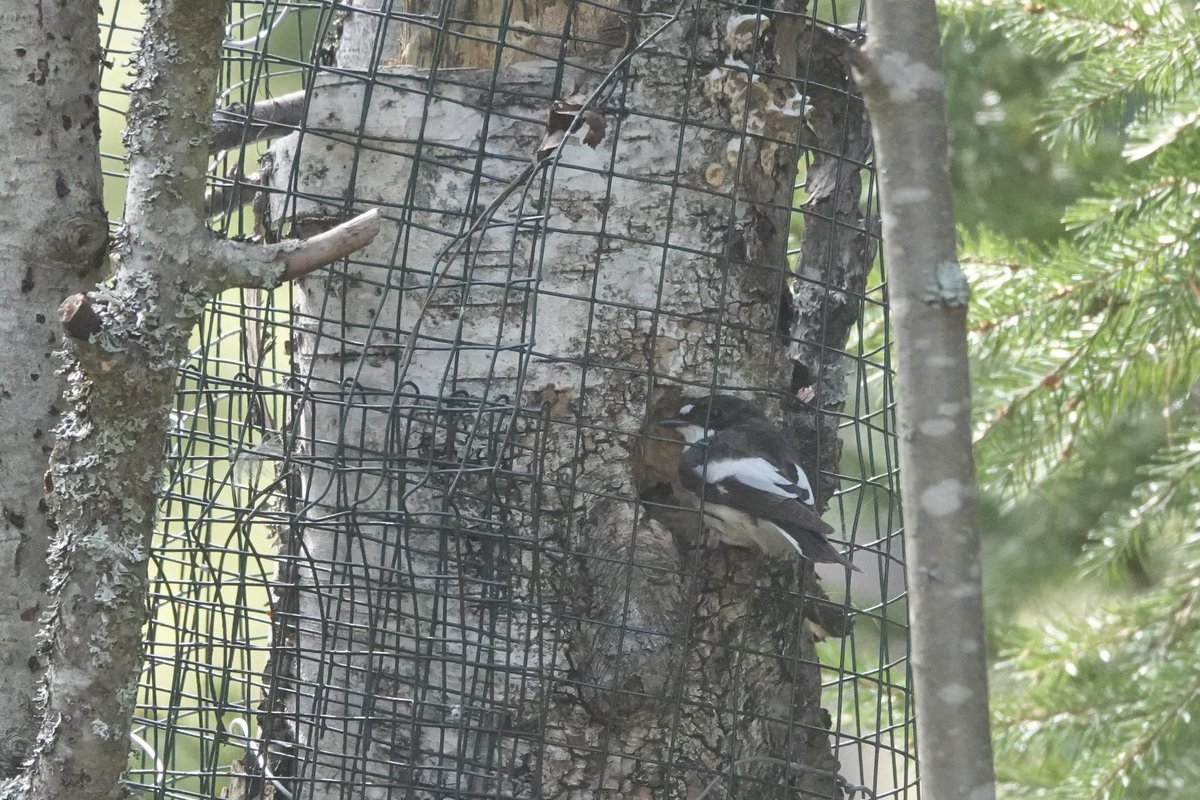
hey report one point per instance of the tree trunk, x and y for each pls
(127, 339)
(108, 459)
(901, 75)
(53, 239)
(478, 601)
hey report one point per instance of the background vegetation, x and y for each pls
(1076, 166)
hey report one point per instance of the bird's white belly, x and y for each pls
(743, 530)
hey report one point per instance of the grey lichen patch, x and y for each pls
(113, 546)
(192, 302)
(133, 510)
(742, 31)
(943, 498)
(265, 272)
(904, 78)
(955, 694)
(127, 695)
(128, 309)
(247, 266)
(100, 728)
(936, 426)
(947, 286)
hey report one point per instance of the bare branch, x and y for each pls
(266, 119)
(301, 258)
(225, 197)
(239, 264)
(78, 318)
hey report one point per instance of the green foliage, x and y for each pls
(1087, 375)
(1005, 177)
(1101, 704)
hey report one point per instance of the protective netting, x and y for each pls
(419, 536)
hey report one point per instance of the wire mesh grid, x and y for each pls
(417, 536)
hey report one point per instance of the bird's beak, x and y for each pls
(673, 422)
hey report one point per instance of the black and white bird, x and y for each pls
(745, 474)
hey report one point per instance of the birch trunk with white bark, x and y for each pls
(53, 241)
(479, 602)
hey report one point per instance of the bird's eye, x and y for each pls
(716, 414)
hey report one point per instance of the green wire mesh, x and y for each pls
(222, 621)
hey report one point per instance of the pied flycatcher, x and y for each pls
(746, 473)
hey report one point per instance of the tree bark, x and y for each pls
(108, 457)
(53, 240)
(901, 76)
(837, 248)
(129, 337)
(479, 602)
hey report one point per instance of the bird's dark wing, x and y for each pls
(723, 473)
(757, 456)
(794, 518)
(777, 448)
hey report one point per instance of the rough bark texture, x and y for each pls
(480, 603)
(53, 241)
(837, 248)
(131, 335)
(900, 72)
(108, 459)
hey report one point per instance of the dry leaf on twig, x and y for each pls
(565, 119)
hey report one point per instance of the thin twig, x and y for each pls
(265, 266)
(236, 124)
(330, 246)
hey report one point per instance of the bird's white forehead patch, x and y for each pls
(685, 410)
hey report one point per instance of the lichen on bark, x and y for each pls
(507, 616)
(120, 375)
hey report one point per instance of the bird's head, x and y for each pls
(700, 418)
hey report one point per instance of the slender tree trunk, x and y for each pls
(108, 458)
(127, 341)
(53, 241)
(901, 76)
(478, 602)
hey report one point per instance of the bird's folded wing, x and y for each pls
(752, 485)
(787, 512)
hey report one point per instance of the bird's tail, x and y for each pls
(814, 546)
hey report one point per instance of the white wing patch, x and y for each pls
(788, 539)
(802, 482)
(754, 472)
(757, 473)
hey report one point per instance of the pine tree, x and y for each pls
(1088, 408)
